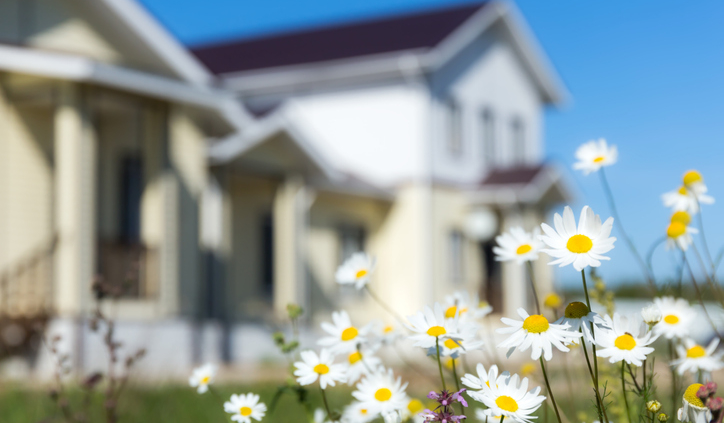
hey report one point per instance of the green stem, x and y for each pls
(623, 387)
(326, 405)
(457, 383)
(532, 285)
(602, 415)
(701, 300)
(550, 392)
(674, 395)
(439, 363)
(593, 346)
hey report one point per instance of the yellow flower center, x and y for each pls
(690, 395)
(436, 331)
(553, 301)
(483, 304)
(205, 380)
(692, 177)
(681, 216)
(360, 274)
(245, 411)
(536, 324)
(576, 310)
(599, 159)
(452, 344)
(355, 357)
(388, 329)
(321, 369)
(683, 190)
(696, 351)
(625, 342)
(506, 403)
(450, 312)
(363, 411)
(415, 406)
(579, 244)
(383, 394)
(671, 319)
(349, 333)
(675, 229)
(525, 248)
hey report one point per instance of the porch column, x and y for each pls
(75, 221)
(289, 215)
(516, 287)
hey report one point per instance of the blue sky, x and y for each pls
(647, 75)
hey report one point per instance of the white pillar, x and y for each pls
(75, 220)
(289, 215)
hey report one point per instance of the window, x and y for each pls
(351, 240)
(267, 253)
(131, 192)
(457, 247)
(487, 136)
(455, 128)
(517, 135)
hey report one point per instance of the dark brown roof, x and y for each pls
(515, 175)
(382, 35)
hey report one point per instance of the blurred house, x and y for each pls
(220, 184)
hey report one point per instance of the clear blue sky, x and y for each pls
(647, 75)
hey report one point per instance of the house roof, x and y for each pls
(515, 175)
(421, 30)
(541, 184)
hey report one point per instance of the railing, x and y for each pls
(131, 270)
(26, 286)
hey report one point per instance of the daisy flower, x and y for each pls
(678, 233)
(356, 270)
(583, 246)
(553, 301)
(685, 199)
(467, 306)
(517, 245)
(651, 314)
(694, 357)
(202, 377)
(412, 411)
(693, 409)
(593, 155)
(627, 340)
(537, 333)
(381, 393)
(466, 341)
(431, 326)
(361, 364)
(511, 398)
(357, 413)
(579, 319)
(678, 317)
(476, 383)
(245, 407)
(693, 180)
(313, 367)
(392, 417)
(344, 337)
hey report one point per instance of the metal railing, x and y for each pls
(26, 286)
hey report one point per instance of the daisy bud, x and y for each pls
(651, 314)
(653, 406)
(662, 417)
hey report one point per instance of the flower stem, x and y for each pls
(701, 300)
(326, 405)
(385, 306)
(457, 383)
(439, 363)
(502, 418)
(602, 415)
(593, 346)
(623, 386)
(619, 224)
(548, 387)
(674, 395)
(532, 285)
